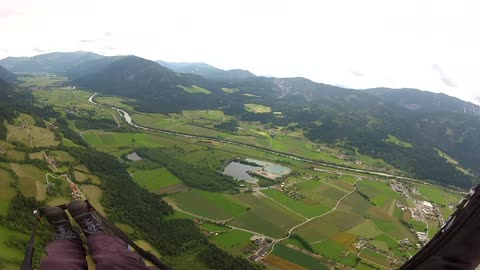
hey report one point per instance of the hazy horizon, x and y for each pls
(428, 45)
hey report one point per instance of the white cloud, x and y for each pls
(391, 43)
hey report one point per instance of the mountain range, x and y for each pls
(365, 121)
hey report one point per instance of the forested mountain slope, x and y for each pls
(6, 75)
(424, 101)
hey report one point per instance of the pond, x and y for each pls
(265, 169)
(239, 171)
(271, 167)
(134, 156)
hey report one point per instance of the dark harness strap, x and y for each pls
(145, 254)
(27, 261)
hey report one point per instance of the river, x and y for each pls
(125, 115)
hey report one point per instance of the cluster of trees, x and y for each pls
(366, 197)
(91, 123)
(219, 259)
(191, 175)
(230, 126)
(69, 133)
(303, 242)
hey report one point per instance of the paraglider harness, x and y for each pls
(27, 262)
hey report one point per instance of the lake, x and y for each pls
(239, 171)
(271, 167)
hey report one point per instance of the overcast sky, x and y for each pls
(430, 45)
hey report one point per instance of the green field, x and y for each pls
(155, 179)
(257, 108)
(379, 192)
(438, 195)
(374, 257)
(298, 206)
(7, 192)
(266, 216)
(209, 204)
(335, 251)
(194, 89)
(212, 227)
(394, 140)
(7, 252)
(298, 258)
(333, 226)
(366, 229)
(229, 90)
(235, 241)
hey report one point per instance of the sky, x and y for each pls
(428, 45)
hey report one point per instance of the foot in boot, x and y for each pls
(80, 211)
(57, 217)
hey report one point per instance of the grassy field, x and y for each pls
(379, 193)
(94, 195)
(194, 89)
(62, 156)
(257, 108)
(155, 179)
(438, 195)
(209, 204)
(229, 90)
(366, 229)
(234, 241)
(82, 177)
(212, 227)
(31, 180)
(15, 155)
(41, 80)
(274, 262)
(372, 256)
(332, 226)
(335, 251)
(6, 191)
(298, 258)
(394, 140)
(303, 207)
(13, 254)
(115, 101)
(266, 216)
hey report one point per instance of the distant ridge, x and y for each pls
(207, 70)
(55, 62)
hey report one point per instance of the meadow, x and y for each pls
(212, 205)
(266, 217)
(298, 258)
(156, 179)
(234, 241)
